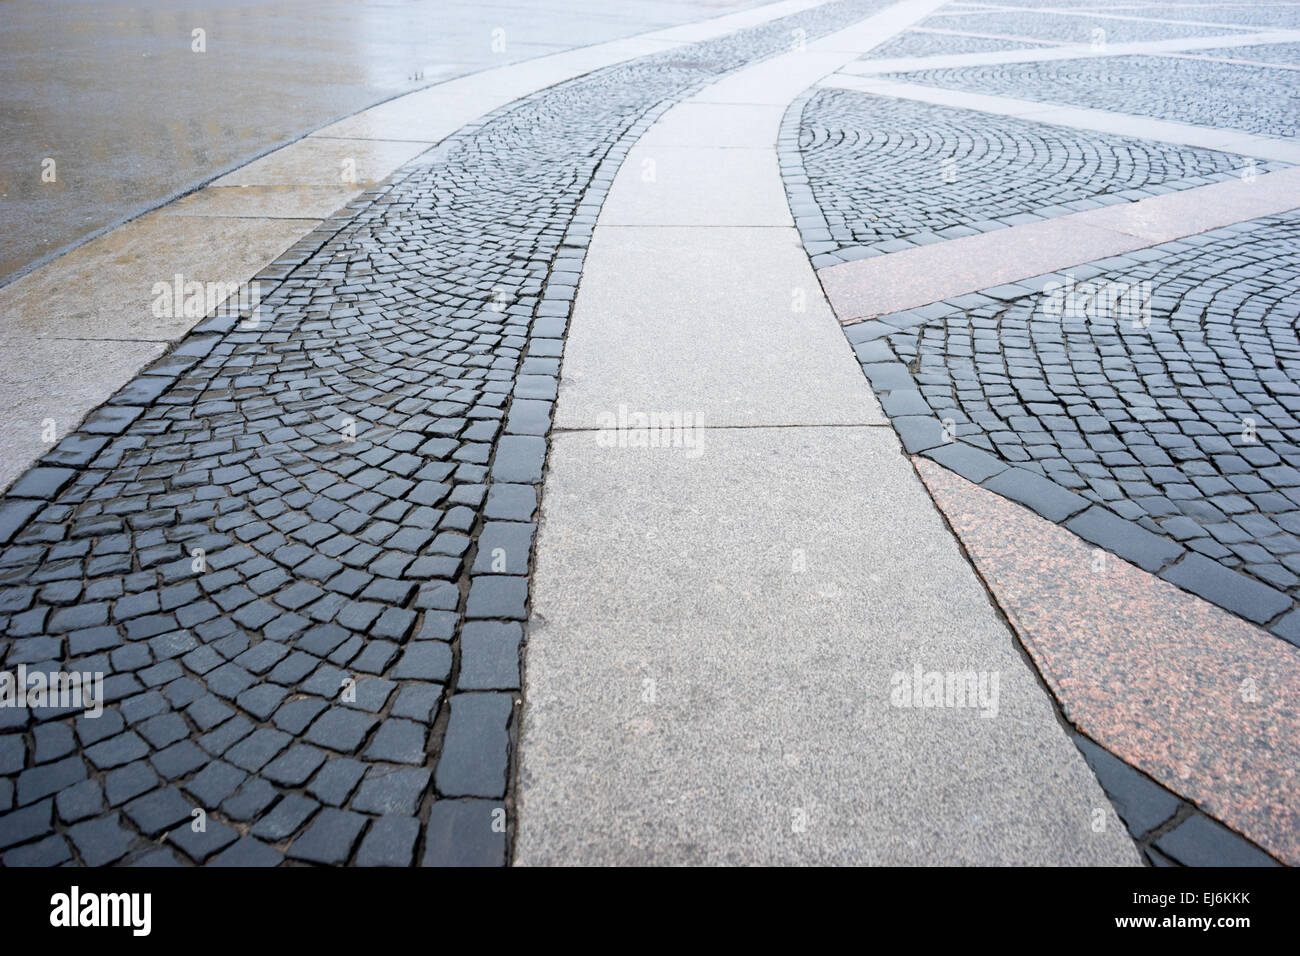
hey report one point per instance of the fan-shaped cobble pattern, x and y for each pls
(1164, 385)
(891, 174)
(1063, 28)
(1258, 15)
(1287, 54)
(1202, 92)
(298, 547)
(921, 43)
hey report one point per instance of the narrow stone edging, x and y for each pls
(1168, 829)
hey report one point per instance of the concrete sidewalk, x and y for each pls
(725, 633)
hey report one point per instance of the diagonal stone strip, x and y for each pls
(892, 174)
(1109, 14)
(1068, 51)
(1179, 427)
(915, 277)
(1190, 91)
(1220, 295)
(1106, 121)
(1237, 61)
(941, 31)
(1193, 695)
(80, 327)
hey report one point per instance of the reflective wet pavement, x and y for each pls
(132, 115)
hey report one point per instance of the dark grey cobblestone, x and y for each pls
(390, 841)
(1182, 429)
(1286, 54)
(1201, 841)
(1126, 427)
(922, 43)
(884, 175)
(1168, 830)
(248, 852)
(1067, 29)
(1250, 15)
(270, 541)
(1202, 92)
(465, 833)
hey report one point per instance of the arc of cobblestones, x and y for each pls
(914, 43)
(1130, 434)
(1078, 26)
(1188, 425)
(888, 174)
(1125, 426)
(1279, 54)
(300, 549)
(1201, 92)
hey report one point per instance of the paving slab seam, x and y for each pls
(50, 257)
(982, 469)
(225, 170)
(282, 269)
(1118, 776)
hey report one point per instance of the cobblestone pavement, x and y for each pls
(1150, 401)
(1067, 28)
(1201, 92)
(1285, 54)
(300, 551)
(921, 43)
(886, 175)
(1182, 421)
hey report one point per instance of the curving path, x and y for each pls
(297, 548)
(722, 625)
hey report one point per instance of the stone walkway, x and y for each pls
(926, 584)
(298, 547)
(718, 621)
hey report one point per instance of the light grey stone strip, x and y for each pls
(1071, 51)
(729, 622)
(1104, 121)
